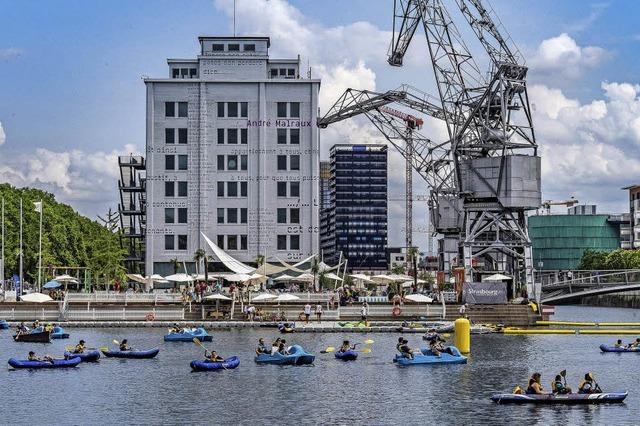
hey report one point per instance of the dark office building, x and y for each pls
(357, 217)
(327, 240)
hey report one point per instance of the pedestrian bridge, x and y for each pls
(590, 283)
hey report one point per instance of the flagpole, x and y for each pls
(2, 255)
(19, 289)
(40, 251)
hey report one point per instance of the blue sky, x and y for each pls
(71, 95)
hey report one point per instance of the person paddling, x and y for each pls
(634, 345)
(261, 349)
(534, 386)
(346, 346)
(559, 387)
(124, 346)
(588, 385)
(213, 356)
(618, 344)
(33, 357)
(79, 347)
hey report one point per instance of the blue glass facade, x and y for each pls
(357, 221)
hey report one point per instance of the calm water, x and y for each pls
(370, 391)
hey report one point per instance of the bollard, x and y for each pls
(463, 335)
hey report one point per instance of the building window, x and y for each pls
(169, 109)
(282, 215)
(232, 189)
(220, 136)
(232, 242)
(243, 189)
(243, 136)
(243, 162)
(249, 47)
(193, 72)
(232, 162)
(282, 109)
(221, 241)
(182, 109)
(294, 109)
(243, 242)
(291, 72)
(294, 162)
(182, 242)
(282, 242)
(169, 136)
(182, 189)
(182, 136)
(294, 215)
(169, 215)
(233, 47)
(220, 189)
(294, 242)
(232, 136)
(243, 215)
(232, 215)
(282, 189)
(283, 72)
(294, 189)
(169, 162)
(282, 136)
(244, 109)
(221, 162)
(182, 162)
(217, 47)
(232, 109)
(220, 215)
(169, 242)
(282, 162)
(169, 189)
(182, 215)
(274, 72)
(175, 73)
(294, 136)
(220, 109)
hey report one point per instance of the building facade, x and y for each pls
(327, 240)
(231, 152)
(634, 216)
(357, 219)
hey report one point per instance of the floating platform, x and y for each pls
(606, 331)
(590, 324)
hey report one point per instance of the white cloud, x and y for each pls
(562, 55)
(10, 53)
(3, 135)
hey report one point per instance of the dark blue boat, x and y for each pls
(149, 353)
(56, 333)
(349, 355)
(206, 365)
(607, 348)
(87, 356)
(56, 363)
(4, 325)
(571, 398)
(296, 356)
(188, 334)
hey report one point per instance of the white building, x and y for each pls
(232, 151)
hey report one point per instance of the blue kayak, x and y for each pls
(56, 333)
(427, 357)
(188, 334)
(150, 353)
(349, 355)
(205, 365)
(87, 356)
(571, 398)
(4, 325)
(607, 348)
(296, 356)
(56, 363)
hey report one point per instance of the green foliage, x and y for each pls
(617, 259)
(68, 238)
(398, 269)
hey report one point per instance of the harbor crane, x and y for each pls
(486, 175)
(546, 205)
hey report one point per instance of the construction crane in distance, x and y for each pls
(546, 205)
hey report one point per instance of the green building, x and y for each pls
(559, 240)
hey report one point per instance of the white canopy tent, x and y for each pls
(263, 297)
(216, 296)
(283, 277)
(496, 277)
(419, 298)
(332, 276)
(35, 298)
(229, 261)
(286, 297)
(179, 278)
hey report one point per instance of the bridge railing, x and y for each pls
(595, 278)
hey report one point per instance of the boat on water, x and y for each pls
(353, 324)
(206, 365)
(56, 333)
(427, 357)
(571, 398)
(286, 327)
(132, 354)
(56, 363)
(4, 325)
(607, 348)
(349, 355)
(87, 356)
(33, 337)
(296, 355)
(188, 334)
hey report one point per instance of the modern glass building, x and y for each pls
(357, 218)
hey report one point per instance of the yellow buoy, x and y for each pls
(463, 335)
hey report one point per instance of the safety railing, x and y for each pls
(124, 298)
(124, 314)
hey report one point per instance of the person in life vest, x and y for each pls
(124, 346)
(534, 386)
(79, 347)
(588, 385)
(49, 327)
(405, 350)
(33, 357)
(346, 346)
(213, 356)
(559, 387)
(618, 344)
(634, 345)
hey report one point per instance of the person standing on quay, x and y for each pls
(319, 312)
(307, 312)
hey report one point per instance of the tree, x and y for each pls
(398, 269)
(315, 267)
(176, 264)
(593, 260)
(197, 258)
(428, 280)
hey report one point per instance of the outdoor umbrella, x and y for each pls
(216, 296)
(283, 277)
(496, 277)
(36, 297)
(420, 298)
(65, 278)
(179, 278)
(52, 284)
(263, 297)
(286, 297)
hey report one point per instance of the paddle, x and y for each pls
(328, 350)
(563, 374)
(596, 385)
(199, 343)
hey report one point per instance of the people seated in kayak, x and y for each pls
(261, 349)
(558, 386)
(534, 386)
(436, 345)
(79, 347)
(588, 385)
(619, 344)
(282, 349)
(346, 346)
(635, 344)
(275, 346)
(49, 327)
(176, 328)
(213, 356)
(22, 328)
(399, 344)
(124, 346)
(33, 357)
(36, 324)
(405, 350)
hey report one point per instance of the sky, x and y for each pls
(72, 98)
